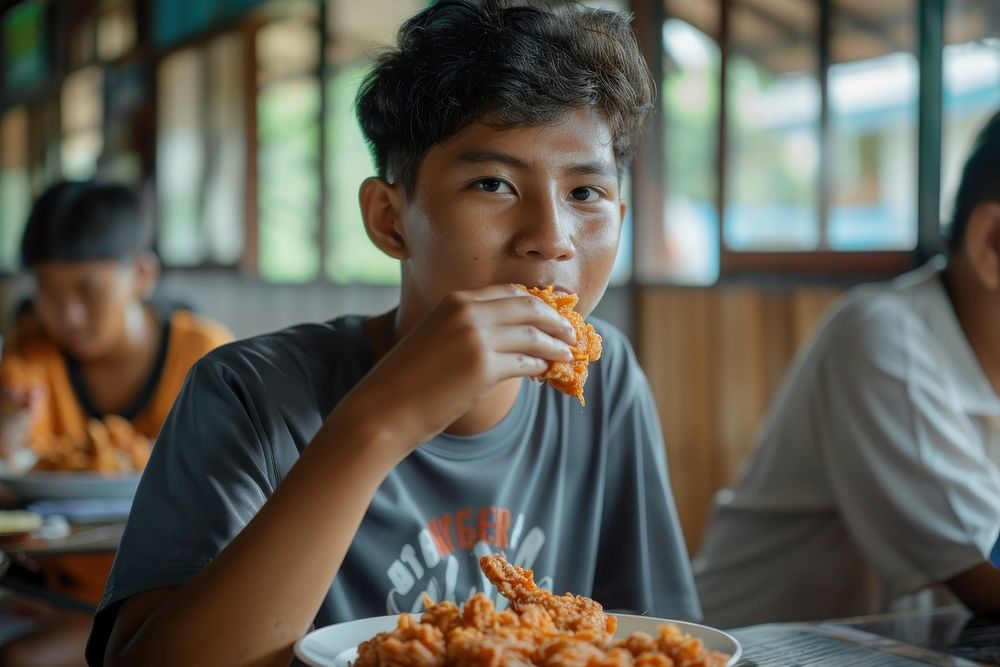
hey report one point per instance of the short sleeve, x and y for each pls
(208, 475)
(912, 481)
(642, 565)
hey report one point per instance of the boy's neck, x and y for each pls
(384, 330)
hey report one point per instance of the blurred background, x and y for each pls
(800, 147)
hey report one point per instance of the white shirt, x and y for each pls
(876, 473)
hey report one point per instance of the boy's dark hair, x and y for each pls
(75, 220)
(508, 63)
(980, 181)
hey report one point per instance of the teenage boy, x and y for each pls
(89, 344)
(340, 470)
(875, 485)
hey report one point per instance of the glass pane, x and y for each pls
(22, 37)
(180, 158)
(773, 127)
(82, 110)
(225, 177)
(356, 33)
(351, 256)
(360, 28)
(288, 179)
(15, 185)
(971, 63)
(115, 29)
(690, 104)
(289, 47)
(128, 115)
(873, 89)
(201, 154)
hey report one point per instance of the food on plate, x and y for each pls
(111, 446)
(540, 628)
(570, 376)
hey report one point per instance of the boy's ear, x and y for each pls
(982, 243)
(382, 208)
(147, 273)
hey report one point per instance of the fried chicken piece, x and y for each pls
(571, 613)
(570, 376)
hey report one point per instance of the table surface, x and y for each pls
(949, 636)
(83, 539)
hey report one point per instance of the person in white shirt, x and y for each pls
(875, 482)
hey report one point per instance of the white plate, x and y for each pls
(337, 645)
(51, 485)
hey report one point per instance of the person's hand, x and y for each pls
(470, 342)
(17, 408)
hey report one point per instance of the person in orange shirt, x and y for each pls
(91, 343)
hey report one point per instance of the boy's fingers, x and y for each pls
(494, 292)
(530, 340)
(533, 311)
(514, 364)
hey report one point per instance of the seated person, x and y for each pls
(91, 344)
(341, 470)
(875, 483)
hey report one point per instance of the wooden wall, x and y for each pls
(714, 359)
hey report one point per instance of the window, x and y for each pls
(82, 112)
(689, 102)
(355, 35)
(25, 58)
(201, 154)
(115, 29)
(971, 73)
(15, 187)
(873, 85)
(773, 123)
(288, 150)
(351, 256)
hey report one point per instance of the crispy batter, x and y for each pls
(111, 446)
(570, 376)
(571, 613)
(540, 628)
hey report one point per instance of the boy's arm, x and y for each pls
(261, 593)
(978, 588)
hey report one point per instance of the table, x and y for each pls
(949, 636)
(83, 539)
(17, 561)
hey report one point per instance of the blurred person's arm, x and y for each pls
(262, 591)
(17, 408)
(20, 401)
(978, 588)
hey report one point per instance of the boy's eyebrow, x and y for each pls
(598, 167)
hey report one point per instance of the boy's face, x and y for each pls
(83, 305)
(532, 205)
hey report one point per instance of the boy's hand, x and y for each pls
(470, 342)
(17, 406)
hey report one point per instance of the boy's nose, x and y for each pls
(74, 315)
(546, 232)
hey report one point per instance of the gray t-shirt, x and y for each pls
(579, 495)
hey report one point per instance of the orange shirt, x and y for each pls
(30, 358)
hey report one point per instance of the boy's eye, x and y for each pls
(493, 185)
(585, 194)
